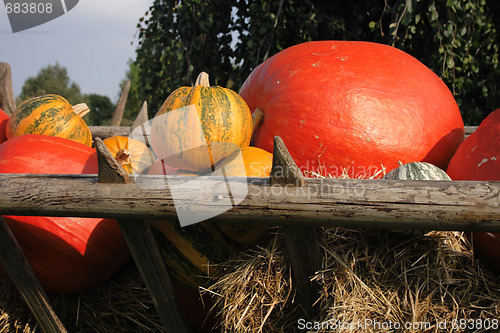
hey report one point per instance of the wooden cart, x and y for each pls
(294, 203)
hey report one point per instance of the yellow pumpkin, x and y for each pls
(256, 163)
(133, 155)
(198, 126)
(50, 115)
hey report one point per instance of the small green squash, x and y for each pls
(417, 171)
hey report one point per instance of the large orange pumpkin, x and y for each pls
(50, 115)
(133, 155)
(67, 254)
(353, 107)
(478, 158)
(198, 126)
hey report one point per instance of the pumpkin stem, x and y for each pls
(202, 80)
(257, 118)
(81, 109)
(123, 156)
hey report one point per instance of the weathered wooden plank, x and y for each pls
(429, 205)
(7, 100)
(104, 132)
(18, 268)
(144, 249)
(107, 131)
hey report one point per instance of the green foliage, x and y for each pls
(52, 79)
(178, 41)
(462, 50)
(101, 110)
(228, 38)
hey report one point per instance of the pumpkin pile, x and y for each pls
(355, 109)
(47, 135)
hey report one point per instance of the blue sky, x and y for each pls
(93, 41)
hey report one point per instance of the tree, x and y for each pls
(52, 79)
(228, 38)
(101, 110)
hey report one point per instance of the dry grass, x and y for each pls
(374, 275)
(121, 304)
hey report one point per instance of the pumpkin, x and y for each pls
(133, 155)
(50, 115)
(253, 162)
(192, 253)
(492, 118)
(353, 107)
(67, 254)
(4, 119)
(478, 158)
(198, 126)
(417, 171)
(256, 163)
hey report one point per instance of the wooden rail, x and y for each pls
(107, 131)
(431, 205)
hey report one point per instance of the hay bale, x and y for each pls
(122, 304)
(376, 278)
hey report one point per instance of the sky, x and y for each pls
(94, 41)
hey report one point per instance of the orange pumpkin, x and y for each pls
(133, 155)
(354, 107)
(50, 115)
(256, 163)
(4, 118)
(198, 126)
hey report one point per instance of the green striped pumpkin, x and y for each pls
(50, 115)
(417, 171)
(198, 126)
(192, 253)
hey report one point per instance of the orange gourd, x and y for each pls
(50, 115)
(133, 155)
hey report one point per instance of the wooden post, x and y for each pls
(120, 107)
(142, 117)
(301, 241)
(21, 273)
(7, 100)
(144, 249)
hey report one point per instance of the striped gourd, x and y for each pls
(417, 171)
(192, 253)
(198, 126)
(50, 115)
